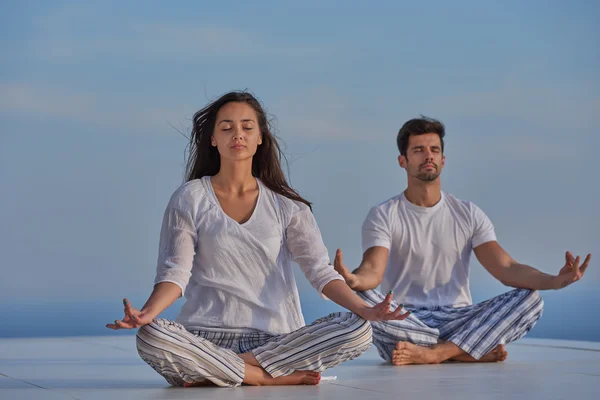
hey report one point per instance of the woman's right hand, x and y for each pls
(134, 318)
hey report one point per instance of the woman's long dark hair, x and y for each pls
(204, 159)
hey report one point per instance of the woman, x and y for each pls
(228, 238)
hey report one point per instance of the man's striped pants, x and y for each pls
(181, 356)
(476, 329)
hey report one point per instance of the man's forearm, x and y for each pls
(366, 279)
(526, 277)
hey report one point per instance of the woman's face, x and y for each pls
(236, 134)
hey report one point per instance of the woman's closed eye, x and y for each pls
(246, 128)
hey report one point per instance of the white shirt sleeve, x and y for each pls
(176, 248)
(305, 244)
(483, 229)
(375, 230)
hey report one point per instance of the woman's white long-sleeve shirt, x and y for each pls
(239, 277)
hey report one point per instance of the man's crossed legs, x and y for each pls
(475, 333)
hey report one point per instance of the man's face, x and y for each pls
(424, 159)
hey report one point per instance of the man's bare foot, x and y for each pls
(407, 353)
(498, 354)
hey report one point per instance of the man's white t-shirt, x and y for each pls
(430, 248)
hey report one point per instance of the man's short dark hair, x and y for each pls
(419, 126)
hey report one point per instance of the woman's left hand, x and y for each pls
(382, 311)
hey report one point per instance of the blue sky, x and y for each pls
(93, 95)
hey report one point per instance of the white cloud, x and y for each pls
(321, 112)
(54, 101)
(57, 38)
(316, 113)
(148, 42)
(552, 108)
(524, 117)
(511, 148)
(107, 111)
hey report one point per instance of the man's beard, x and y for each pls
(428, 176)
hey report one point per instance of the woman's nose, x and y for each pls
(237, 132)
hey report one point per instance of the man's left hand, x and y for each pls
(572, 271)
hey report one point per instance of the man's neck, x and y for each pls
(424, 194)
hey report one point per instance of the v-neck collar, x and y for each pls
(208, 182)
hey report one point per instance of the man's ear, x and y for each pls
(402, 161)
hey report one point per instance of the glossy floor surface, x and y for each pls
(109, 368)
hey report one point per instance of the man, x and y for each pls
(418, 245)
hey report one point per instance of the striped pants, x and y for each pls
(476, 329)
(181, 356)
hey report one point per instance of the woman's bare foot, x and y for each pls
(297, 378)
(498, 354)
(257, 376)
(205, 382)
(407, 353)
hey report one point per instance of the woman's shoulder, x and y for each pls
(189, 195)
(288, 206)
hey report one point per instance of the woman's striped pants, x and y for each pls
(181, 356)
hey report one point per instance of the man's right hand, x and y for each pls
(338, 264)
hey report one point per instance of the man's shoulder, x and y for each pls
(465, 208)
(455, 201)
(387, 205)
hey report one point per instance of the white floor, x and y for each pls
(109, 368)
